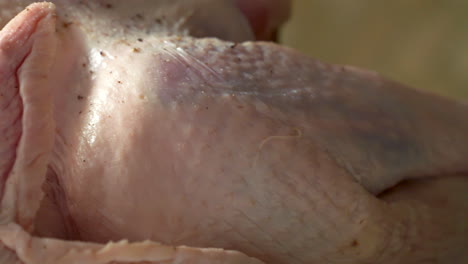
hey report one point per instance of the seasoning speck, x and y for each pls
(139, 16)
(140, 39)
(102, 53)
(136, 50)
(67, 24)
(80, 97)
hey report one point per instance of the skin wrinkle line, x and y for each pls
(37, 20)
(299, 135)
(330, 200)
(22, 110)
(11, 101)
(15, 255)
(277, 242)
(242, 236)
(18, 142)
(70, 225)
(189, 61)
(21, 31)
(199, 67)
(313, 183)
(10, 167)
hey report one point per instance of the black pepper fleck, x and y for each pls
(140, 39)
(139, 16)
(67, 24)
(80, 97)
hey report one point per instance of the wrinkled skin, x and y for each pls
(126, 122)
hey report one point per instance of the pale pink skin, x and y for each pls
(136, 130)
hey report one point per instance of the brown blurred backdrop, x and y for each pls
(423, 43)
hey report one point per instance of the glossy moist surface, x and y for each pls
(120, 124)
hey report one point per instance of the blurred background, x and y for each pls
(422, 43)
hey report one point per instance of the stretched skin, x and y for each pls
(115, 129)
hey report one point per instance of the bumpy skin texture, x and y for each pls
(136, 130)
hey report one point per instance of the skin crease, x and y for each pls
(323, 151)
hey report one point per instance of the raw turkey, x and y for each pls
(162, 132)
